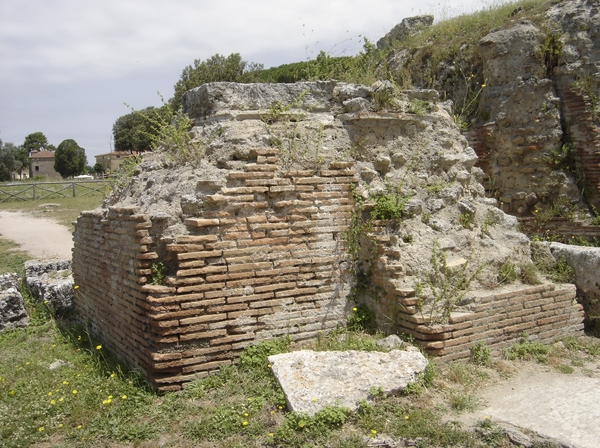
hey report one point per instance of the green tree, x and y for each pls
(37, 141)
(69, 159)
(98, 168)
(9, 161)
(216, 68)
(136, 131)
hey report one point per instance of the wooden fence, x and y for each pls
(26, 191)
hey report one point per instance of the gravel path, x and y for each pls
(41, 237)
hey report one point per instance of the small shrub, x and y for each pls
(447, 286)
(255, 356)
(480, 354)
(300, 427)
(419, 107)
(389, 204)
(158, 272)
(486, 225)
(466, 220)
(561, 272)
(362, 319)
(530, 274)
(464, 402)
(424, 380)
(489, 432)
(562, 368)
(527, 350)
(507, 272)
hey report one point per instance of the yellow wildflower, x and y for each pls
(74, 391)
(245, 423)
(98, 347)
(41, 428)
(124, 397)
(52, 402)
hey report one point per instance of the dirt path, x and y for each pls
(564, 407)
(41, 237)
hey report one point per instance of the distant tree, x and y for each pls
(137, 130)
(98, 168)
(9, 161)
(37, 141)
(216, 68)
(69, 159)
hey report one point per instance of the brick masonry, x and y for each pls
(497, 319)
(264, 258)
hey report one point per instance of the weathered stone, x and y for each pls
(391, 342)
(406, 28)
(312, 380)
(51, 283)
(58, 364)
(12, 309)
(585, 262)
(412, 207)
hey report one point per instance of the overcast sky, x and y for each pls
(67, 67)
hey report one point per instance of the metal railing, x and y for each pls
(27, 191)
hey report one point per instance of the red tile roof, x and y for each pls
(42, 155)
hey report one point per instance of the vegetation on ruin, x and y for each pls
(452, 41)
(444, 286)
(91, 400)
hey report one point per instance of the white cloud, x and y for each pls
(66, 41)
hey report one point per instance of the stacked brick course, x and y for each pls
(585, 132)
(496, 319)
(263, 260)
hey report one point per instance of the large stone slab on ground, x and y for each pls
(12, 308)
(51, 283)
(313, 380)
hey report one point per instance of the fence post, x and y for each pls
(34, 192)
(73, 183)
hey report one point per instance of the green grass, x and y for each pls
(11, 258)
(65, 212)
(241, 406)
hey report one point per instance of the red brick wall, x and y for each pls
(263, 260)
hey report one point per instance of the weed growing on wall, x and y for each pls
(362, 319)
(158, 272)
(444, 287)
(480, 354)
(528, 350)
(507, 271)
(389, 203)
(560, 208)
(300, 142)
(125, 173)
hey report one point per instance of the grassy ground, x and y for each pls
(11, 258)
(93, 401)
(62, 210)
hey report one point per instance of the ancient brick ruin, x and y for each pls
(253, 236)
